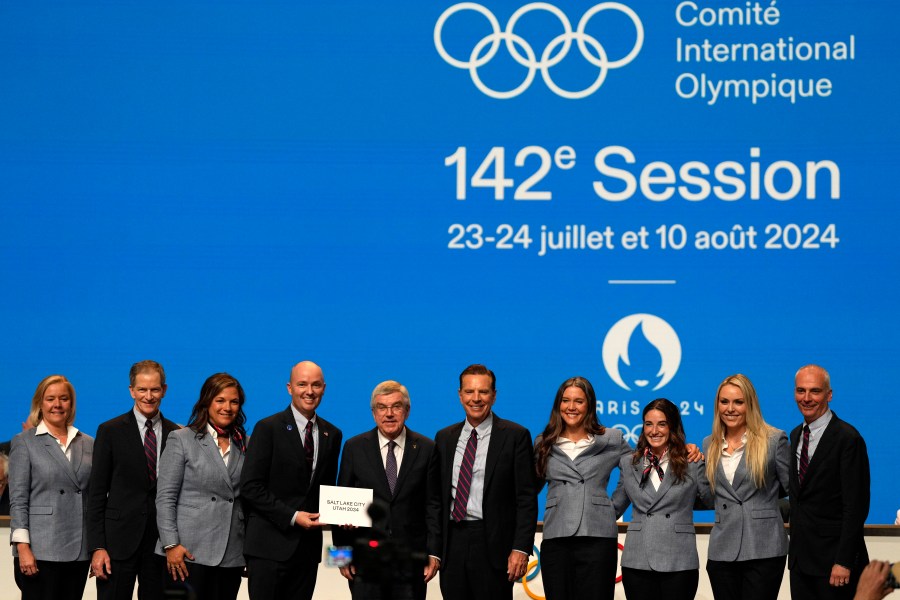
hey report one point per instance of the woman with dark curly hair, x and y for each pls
(660, 557)
(575, 456)
(198, 497)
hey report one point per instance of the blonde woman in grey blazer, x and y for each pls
(198, 498)
(575, 457)
(747, 471)
(49, 470)
(660, 556)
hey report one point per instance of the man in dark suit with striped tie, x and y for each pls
(488, 496)
(400, 467)
(121, 510)
(829, 483)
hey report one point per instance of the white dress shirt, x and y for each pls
(474, 510)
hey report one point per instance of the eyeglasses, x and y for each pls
(381, 408)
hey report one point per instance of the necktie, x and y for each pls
(390, 466)
(804, 455)
(464, 483)
(308, 445)
(150, 450)
(652, 462)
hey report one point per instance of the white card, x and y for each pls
(344, 505)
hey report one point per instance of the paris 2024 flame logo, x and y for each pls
(641, 351)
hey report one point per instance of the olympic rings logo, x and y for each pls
(555, 51)
(536, 565)
(630, 434)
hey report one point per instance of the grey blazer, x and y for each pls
(577, 502)
(661, 534)
(198, 503)
(748, 521)
(47, 494)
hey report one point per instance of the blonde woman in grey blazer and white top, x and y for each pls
(198, 498)
(49, 470)
(747, 471)
(660, 557)
(575, 456)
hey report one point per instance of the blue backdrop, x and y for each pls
(650, 194)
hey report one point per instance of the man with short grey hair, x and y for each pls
(829, 495)
(401, 468)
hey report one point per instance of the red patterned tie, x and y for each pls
(804, 455)
(150, 450)
(464, 483)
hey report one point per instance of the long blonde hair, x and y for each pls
(758, 431)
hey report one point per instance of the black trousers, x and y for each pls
(467, 573)
(654, 585)
(208, 583)
(293, 579)
(145, 566)
(758, 579)
(573, 568)
(54, 580)
(816, 587)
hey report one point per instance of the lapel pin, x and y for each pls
(290, 427)
(325, 433)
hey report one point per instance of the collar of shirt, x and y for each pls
(71, 431)
(301, 420)
(725, 451)
(215, 438)
(483, 429)
(142, 420)
(574, 449)
(400, 440)
(818, 426)
(582, 443)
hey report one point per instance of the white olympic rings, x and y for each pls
(480, 57)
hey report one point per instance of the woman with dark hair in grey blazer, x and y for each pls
(575, 456)
(198, 498)
(49, 470)
(747, 470)
(660, 556)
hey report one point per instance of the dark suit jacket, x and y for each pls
(413, 512)
(828, 512)
(275, 483)
(122, 500)
(510, 490)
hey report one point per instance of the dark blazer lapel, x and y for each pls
(136, 445)
(823, 448)
(325, 448)
(794, 481)
(495, 448)
(410, 456)
(372, 452)
(295, 440)
(447, 455)
(167, 427)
